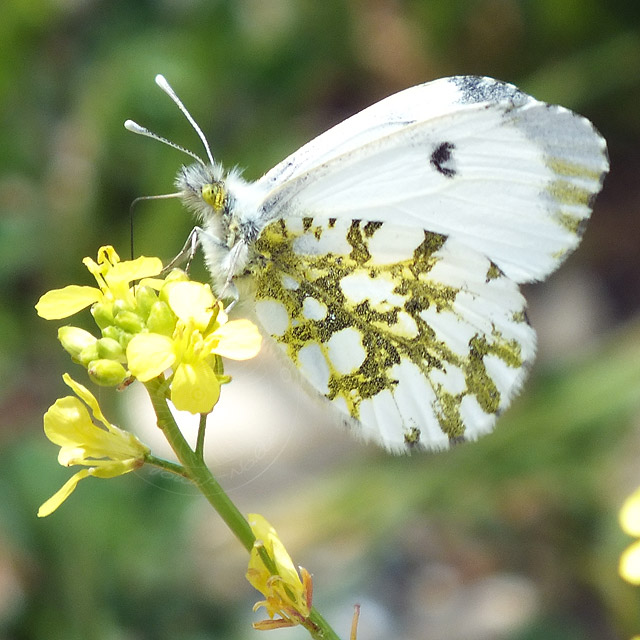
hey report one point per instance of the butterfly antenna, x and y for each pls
(134, 127)
(161, 81)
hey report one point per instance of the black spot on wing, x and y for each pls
(442, 159)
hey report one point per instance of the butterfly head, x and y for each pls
(201, 186)
(203, 189)
(215, 195)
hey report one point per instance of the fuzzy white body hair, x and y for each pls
(226, 234)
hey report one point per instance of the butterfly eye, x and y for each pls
(214, 195)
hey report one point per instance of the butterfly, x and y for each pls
(385, 256)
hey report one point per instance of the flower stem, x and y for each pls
(172, 467)
(201, 432)
(194, 468)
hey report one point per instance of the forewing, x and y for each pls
(415, 338)
(470, 158)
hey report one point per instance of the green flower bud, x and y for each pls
(106, 373)
(102, 314)
(145, 298)
(88, 354)
(111, 349)
(125, 339)
(112, 332)
(121, 336)
(75, 340)
(120, 305)
(161, 319)
(129, 321)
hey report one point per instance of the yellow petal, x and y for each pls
(61, 303)
(66, 421)
(191, 301)
(262, 530)
(154, 283)
(130, 270)
(630, 564)
(195, 387)
(68, 424)
(89, 399)
(62, 494)
(629, 515)
(149, 355)
(238, 340)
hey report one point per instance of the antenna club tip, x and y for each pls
(130, 125)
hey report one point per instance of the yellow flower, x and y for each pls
(629, 516)
(202, 333)
(113, 278)
(106, 452)
(286, 593)
(156, 325)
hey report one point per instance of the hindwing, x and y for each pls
(415, 338)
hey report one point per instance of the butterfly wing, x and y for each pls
(470, 158)
(415, 338)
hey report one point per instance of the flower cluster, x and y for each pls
(150, 327)
(286, 593)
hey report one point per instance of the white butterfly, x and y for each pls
(384, 257)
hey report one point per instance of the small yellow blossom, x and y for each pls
(113, 278)
(202, 332)
(286, 593)
(629, 516)
(106, 452)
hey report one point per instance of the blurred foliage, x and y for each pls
(538, 498)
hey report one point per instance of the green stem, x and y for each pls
(201, 431)
(321, 630)
(194, 468)
(172, 467)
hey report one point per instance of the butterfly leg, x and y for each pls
(236, 255)
(185, 255)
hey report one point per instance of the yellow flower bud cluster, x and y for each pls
(119, 310)
(150, 327)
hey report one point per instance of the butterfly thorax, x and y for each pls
(228, 208)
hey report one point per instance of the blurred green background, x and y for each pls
(513, 537)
